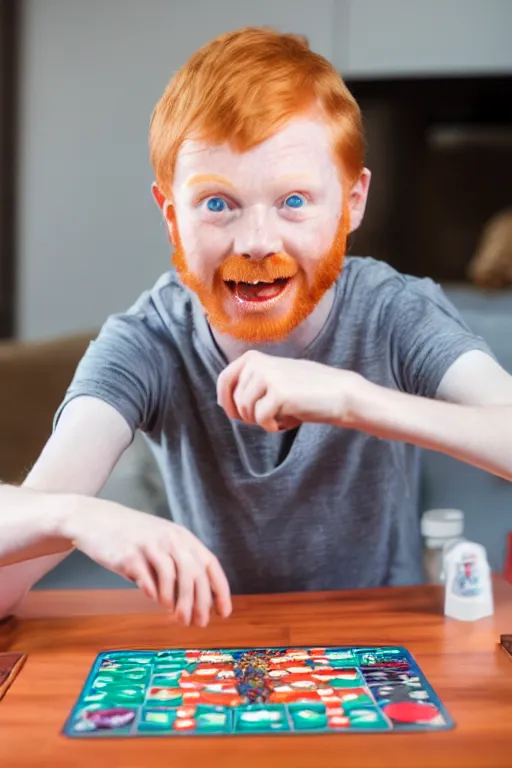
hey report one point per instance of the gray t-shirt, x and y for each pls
(319, 507)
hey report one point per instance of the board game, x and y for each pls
(10, 666)
(178, 692)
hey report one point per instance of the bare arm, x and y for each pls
(89, 434)
(474, 424)
(55, 508)
(78, 458)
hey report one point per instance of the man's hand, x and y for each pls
(167, 562)
(280, 393)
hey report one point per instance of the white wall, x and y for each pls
(90, 237)
(386, 38)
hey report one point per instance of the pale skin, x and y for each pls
(471, 418)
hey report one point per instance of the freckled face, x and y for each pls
(258, 235)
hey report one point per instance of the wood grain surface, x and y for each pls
(62, 631)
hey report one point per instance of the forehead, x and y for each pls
(302, 146)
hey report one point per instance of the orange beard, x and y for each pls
(256, 327)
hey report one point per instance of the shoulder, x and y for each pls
(377, 286)
(165, 305)
(160, 314)
(364, 272)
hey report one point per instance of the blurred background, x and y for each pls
(80, 236)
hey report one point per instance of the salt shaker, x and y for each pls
(468, 582)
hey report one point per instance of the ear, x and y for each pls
(158, 195)
(167, 209)
(357, 199)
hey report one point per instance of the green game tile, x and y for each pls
(125, 669)
(117, 676)
(341, 658)
(168, 680)
(377, 656)
(172, 697)
(363, 700)
(142, 660)
(314, 706)
(340, 682)
(123, 694)
(209, 709)
(261, 718)
(156, 720)
(122, 666)
(213, 719)
(100, 685)
(98, 697)
(307, 717)
(367, 718)
(177, 653)
(173, 666)
(341, 663)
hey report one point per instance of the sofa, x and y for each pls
(34, 376)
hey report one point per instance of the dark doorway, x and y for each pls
(440, 150)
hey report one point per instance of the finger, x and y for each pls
(228, 381)
(266, 412)
(185, 573)
(219, 586)
(226, 385)
(202, 598)
(165, 570)
(142, 575)
(246, 395)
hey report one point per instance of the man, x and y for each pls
(283, 387)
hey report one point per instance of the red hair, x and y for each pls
(244, 86)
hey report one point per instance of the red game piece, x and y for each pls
(410, 712)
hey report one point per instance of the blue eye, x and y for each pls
(294, 201)
(216, 204)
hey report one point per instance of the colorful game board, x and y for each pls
(251, 690)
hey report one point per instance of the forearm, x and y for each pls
(30, 530)
(36, 520)
(478, 435)
(32, 523)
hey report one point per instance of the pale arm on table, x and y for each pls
(76, 462)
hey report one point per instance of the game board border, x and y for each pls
(404, 729)
(13, 672)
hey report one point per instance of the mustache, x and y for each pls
(238, 269)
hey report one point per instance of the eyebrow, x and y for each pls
(215, 178)
(206, 178)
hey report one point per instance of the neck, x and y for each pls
(293, 346)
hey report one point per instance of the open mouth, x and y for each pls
(258, 291)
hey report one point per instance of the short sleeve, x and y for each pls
(125, 367)
(427, 336)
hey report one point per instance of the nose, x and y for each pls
(257, 236)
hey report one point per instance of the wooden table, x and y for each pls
(63, 631)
